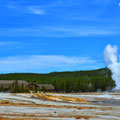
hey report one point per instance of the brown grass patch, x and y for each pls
(5, 102)
(83, 117)
(86, 107)
(59, 98)
(29, 116)
(102, 113)
(56, 106)
(83, 93)
(48, 106)
(8, 118)
(115, 94)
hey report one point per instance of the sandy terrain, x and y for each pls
(53, 106)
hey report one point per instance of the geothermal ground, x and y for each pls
(54, 106)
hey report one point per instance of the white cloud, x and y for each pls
(8, 43)
(39, 62)
(59, 31)
(34, 10)
(82, 31)
(26, 9)
(11, 6)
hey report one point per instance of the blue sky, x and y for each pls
(56, 35)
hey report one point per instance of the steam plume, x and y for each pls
(113, 63)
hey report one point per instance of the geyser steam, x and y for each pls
(113, 63)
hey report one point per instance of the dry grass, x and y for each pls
(102, 113)
(83, 93)
(53, 115)
(8, 118)
(60, 98)
(32, 116)
(5, 102)
(48, 106)
(91, 93)
(115, 94)
(83, 117)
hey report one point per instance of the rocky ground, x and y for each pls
(54, 106)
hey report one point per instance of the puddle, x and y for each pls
(110, 102)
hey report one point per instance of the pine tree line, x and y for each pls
(77, 81)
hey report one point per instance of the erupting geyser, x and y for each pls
(113, 63)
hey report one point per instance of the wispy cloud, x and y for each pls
(39, 62)
(11, 6)
(60, 31)
(26, 9)
(8, 43)
(68, 18)
(34, 10)
(83, 31)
